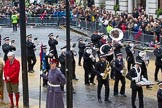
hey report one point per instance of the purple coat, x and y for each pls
(54, 94)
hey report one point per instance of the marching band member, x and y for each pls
(62, 62)
(6, 47)
(159, 95)
(117, 47)
(74, 53)
(88, 61)
(135, 75)
(81, 46)
(44, 63)
(158, 61)
(143, 65)
(52, 43)
(119, 70)
(109, 58)
(31, 58)
(55, 79)
(101, 66)
(129, 49)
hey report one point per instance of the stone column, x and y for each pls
(130, 6)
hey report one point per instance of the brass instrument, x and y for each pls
(107, 70)
(116, 35)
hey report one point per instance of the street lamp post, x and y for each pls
(69, 97)
(23, 54)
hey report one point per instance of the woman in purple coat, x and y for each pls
(55, 79)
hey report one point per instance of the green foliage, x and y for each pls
(158, 12)
(116, 7)
(102, 5)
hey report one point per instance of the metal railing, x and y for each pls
(80, 24)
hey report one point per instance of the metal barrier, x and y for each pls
(80, 24)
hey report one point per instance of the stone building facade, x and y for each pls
(128, 5)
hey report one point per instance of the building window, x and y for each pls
(159, 4)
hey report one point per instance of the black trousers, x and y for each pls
(31, 62)
(140, 97)
(14, 26)
(129, 65)
(80, 58)
(87, 70)
(99, 87)
(122, 90)
(157, 70)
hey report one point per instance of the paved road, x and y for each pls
(85, 96)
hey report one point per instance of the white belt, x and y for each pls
(52, 85)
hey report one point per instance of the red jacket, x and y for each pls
(12, 71)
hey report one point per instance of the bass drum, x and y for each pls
(106, 49)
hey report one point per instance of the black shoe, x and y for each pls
(156, 80)
(124, 95)
(93, 83)
(107, 100)
(87, 84)
(116, 95)
(148, 87)
(99, 100)
(76, 79)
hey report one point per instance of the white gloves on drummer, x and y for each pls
(144, 79)
(135, 79)
(102, 74)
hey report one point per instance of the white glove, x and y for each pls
(144, 79)
(134, 78)
(91, 56)
(121, 71)
(102, 74)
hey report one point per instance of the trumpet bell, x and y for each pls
(116, 34)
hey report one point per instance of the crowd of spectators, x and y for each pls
(139, 21)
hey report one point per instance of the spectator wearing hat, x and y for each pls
(159, 95)
(140, 57)
(11, 75)
(100, 68)
(52, 43)
(134, 75)
(158, 61)
(31, 58)
(44, 67)
(6, 47)
(55, 79)
(81, 46)
(119, 70)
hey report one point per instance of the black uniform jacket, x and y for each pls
(158, 54)
(81, 47)
(30, 49)
(132, 74)
(129, 53)
(100, 68)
